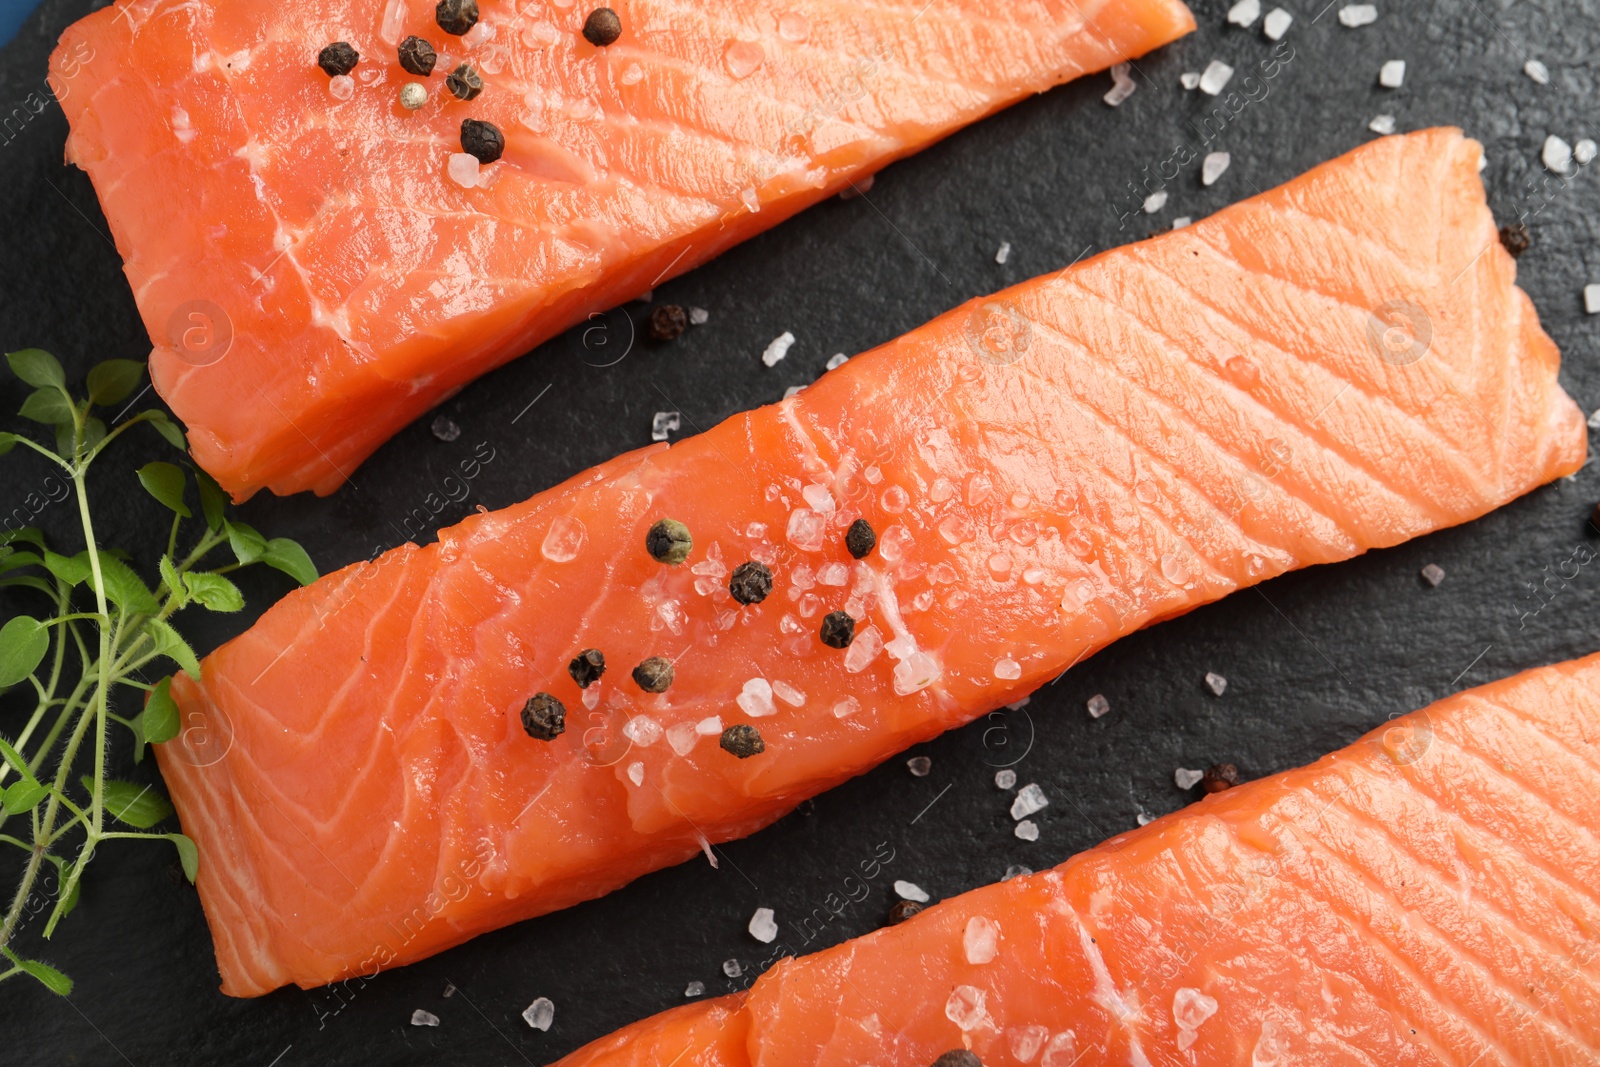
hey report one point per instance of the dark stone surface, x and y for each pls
(1312, 659)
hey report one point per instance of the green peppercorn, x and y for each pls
(668, 541)
(338, 58)
(417, 56)
(958, 1057)
(654, 675)
(587, 667)
(465, 82)
(860, 539)
(742, 740)
(602, 27)
(456, 16)
(838, 629)
(544, 717)
(903, 910)
(750, 582)
(482, 140)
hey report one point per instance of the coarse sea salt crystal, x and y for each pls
(863, 650)
(1030, 800)
(833, 574)
(1007, 669)
(1392, 74)
(910, 891)
(1584, 151)
(756, 698)
(709, 727)
(1155, 202)
(788, 694)
(1098, 705)
(340, 87)
(806, 530)
(1006, 778)
(642, 730)
(1594, 416)
(695, 989)
(1277, 24)
(1189, 79)
(1216, 163)
(1026, 1041)
(1003, 253)
(1027, 830)
(919, 766)
(664, 423)
(981, 940)
(966, 1007)
(1591, 299)
(1358, 15)
(1016, 870)
(819, 498)
(764, 926)
(1537, 71)
(793, 390)
(1557, 154)
(1245, 12)
(699, 316)
(1190, 1008)
(732, 968)
(777, 348)
(1122, 85)
(540, 1014)
(1433, 574)
(1383, 124)
(1145, 819)
(1216, 77)
(846, 708)
(916, 672)
(566, 536)
(1216, 683)
(1181, 222)
(636, 772)
(424, 1018)
(837, 360)
(463, 169)
(1186, 778)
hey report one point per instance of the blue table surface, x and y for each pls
(12, 14)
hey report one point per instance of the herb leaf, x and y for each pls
(212, 499)
(37, 367)
(48, 406)
(287, 556)
(214, 591)
(248, 545)
(74, 570)
(173, 581)
(125, 588)
(165, 482)
(24, 795)
(112, 380)
(52, 979)
(168, 429)
(133, 804)
(160, 715)
(188, 855)
(23, 644)
(175, 648)
(8, 441)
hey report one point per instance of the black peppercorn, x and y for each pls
(654, 675)
(587, 667)
(668, 541)
(668, 322)
(742, 740)
(903, 910)
(456, 16)
(338, 58)
(417, 56)
(482, 139)
(838, 629)
(465, 82)
(750, 582)
(1516, 238)
(1219, 776)
(602, 27)
(958, 1057)
(860, 539)
(544, 717)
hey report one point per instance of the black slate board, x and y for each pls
(1313, 659)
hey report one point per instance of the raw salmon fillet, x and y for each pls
(361, 285)
(1046, 470)
(1426, 896)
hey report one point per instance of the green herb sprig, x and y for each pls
(104, 625)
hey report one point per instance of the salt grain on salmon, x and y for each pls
(418, 668)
